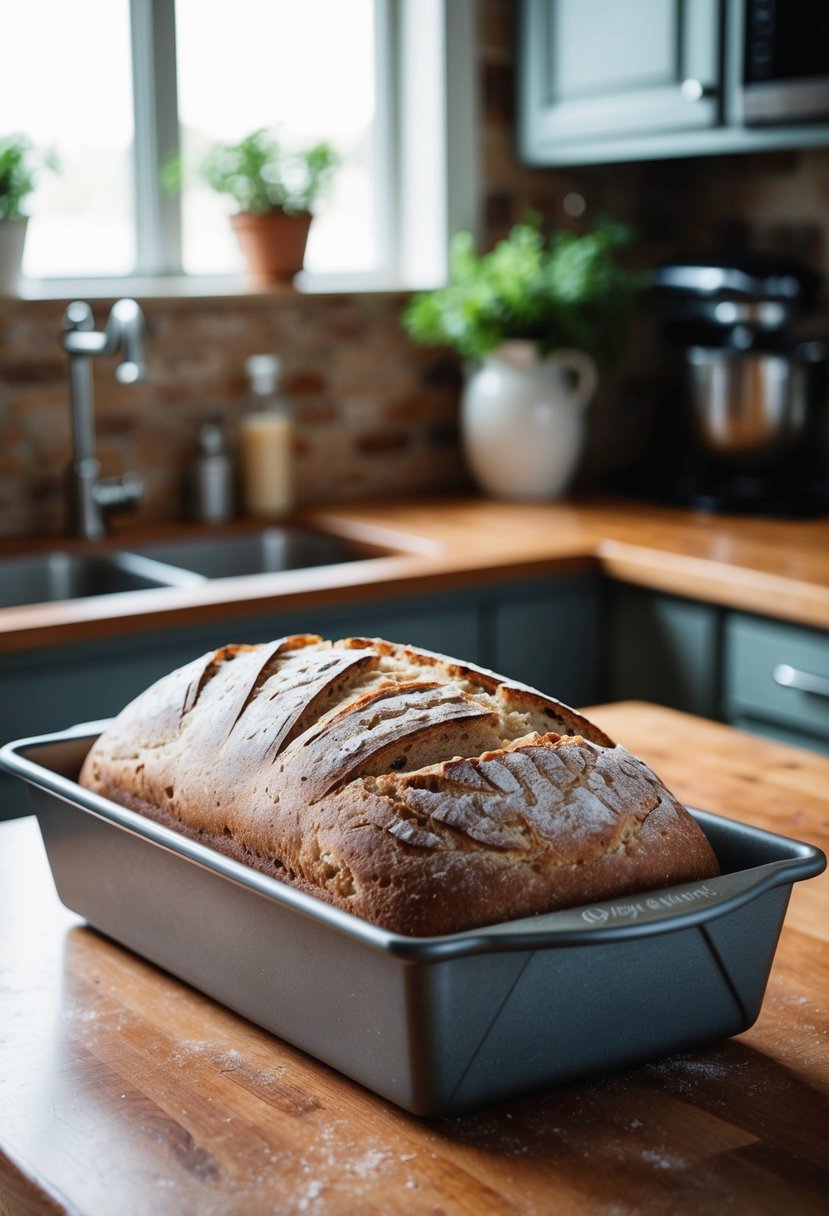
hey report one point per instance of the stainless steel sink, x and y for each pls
(269, 551)
(68, 575)
(58, 575)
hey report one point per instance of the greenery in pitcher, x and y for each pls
(564, 290)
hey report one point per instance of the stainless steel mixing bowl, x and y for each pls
(751, 406)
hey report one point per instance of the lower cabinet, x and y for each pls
(540, 632)
(776, 680)
(576, 638)
(768, 677)
(549, 636)
(662, 648)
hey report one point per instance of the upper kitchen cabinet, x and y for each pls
(591, 69)
(615, 80)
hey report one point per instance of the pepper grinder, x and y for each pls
(211, 489)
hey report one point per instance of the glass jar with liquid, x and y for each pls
(266, 442)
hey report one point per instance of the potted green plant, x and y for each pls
(533, 319)
(20, 165)
(274, 192)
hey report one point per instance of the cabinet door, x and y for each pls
(777, 678)
(546, 635)
(663, 649)
(542, 633)
(449, 625)
(594, 70)
(52, 690)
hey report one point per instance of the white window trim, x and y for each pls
(155, 105)
(428, 72)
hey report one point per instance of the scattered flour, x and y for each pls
(313, 1191)
(664, 1161)
(369, 1163)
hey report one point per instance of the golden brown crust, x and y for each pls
(425, 795)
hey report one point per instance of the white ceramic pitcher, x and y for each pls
(523, 419)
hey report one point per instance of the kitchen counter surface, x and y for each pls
(775, 567)
(123, 1090)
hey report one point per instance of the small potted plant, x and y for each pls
(531, 319)
(274, 192)
(20, 165)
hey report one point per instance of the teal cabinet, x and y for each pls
(776, 680)
(547, 635)
(493, 626)
(593, 68)
(616, 80)
(578, 638)
(450, 625)
(664, 649)
(765, 676)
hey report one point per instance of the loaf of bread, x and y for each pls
(425, 795)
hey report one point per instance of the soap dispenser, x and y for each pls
(266, 442)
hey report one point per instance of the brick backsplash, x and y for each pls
(375, 414)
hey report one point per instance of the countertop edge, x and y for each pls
(432, 546)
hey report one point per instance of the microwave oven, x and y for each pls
(785, 61)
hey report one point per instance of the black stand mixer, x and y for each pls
(743, 427)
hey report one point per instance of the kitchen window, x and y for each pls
(119, 87)
(58, 87)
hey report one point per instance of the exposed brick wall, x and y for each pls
(377, 415)
(374, 414)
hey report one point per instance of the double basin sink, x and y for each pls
(69, 575)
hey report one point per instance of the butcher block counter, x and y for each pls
(778, 568)
(124, 1091)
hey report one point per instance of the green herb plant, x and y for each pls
(565, 290)
(20, 166)
(261, 175)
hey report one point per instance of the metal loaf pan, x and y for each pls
(437, 1025)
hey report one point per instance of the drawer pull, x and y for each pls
(804, 681)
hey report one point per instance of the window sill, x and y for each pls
(190, 287)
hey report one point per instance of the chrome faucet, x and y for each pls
(89, 495)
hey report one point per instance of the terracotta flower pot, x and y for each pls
(273, 243)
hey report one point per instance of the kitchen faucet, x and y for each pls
(89, 496)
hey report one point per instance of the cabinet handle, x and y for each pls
(804, 681)
(695, 90)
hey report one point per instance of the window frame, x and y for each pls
(428, 188)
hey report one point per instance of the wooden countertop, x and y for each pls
(122, 1090)
(770, 566)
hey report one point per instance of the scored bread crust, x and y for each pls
(425, 795)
